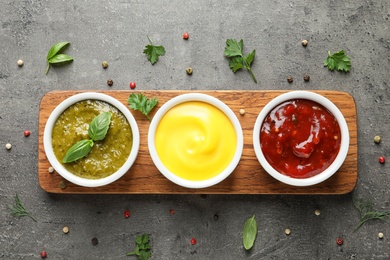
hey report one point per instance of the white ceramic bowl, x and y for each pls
(216, 103)
(47, 139)
(344, 146)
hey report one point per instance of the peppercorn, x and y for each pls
(382, 160)
(26, 133)
(43, 254)
(304, 43)
(290, 79)
(132, 85)
(380, 235)
(126, 213)
(186, 36)
(287, 231)
(339, 241)
(306, 78)
(377, 139)
(95, 241)
(65, 230)
(172, 212)
(50, 169)
(8, 146)
(105, 64)
(110, 82)
(62, 184)
(242, 111)
(317, 212)
(193, 241)
(189, 71)
(216, 217)
(20, 63)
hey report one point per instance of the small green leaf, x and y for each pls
(153, 52)
(55, 49)
(250, 57)
(233, 48)
(339, 61)
(142, 103)
(78, 150)
(236, 64)
(60, 58)
(249, 233)
(99, 126)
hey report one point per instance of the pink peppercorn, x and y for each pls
(172, 211)
(27, 133)
(186, 36)
(43, 254)
(382, 160)
(126, 213)
(132, 85)
(193, 241)
(339, 241)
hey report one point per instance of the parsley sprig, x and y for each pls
(339, 61)
(140, 102)
(18, 209)
(153, 52)
(367, 213)
(142, 248)
(238, 60)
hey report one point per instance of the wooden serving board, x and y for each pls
(248, 177)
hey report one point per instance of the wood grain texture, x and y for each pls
(248, 177)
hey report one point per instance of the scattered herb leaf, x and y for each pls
(153, 52)
(142, 248)
(339, 61)
(53, 56)
(18, 209)
(250, 233)
(142, 103)
(366, 212)
(97, 131)
(233, 50)
(99, 126)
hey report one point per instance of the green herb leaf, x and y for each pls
(142, 249)
(78, 151)
(339, 61)
(60, 58)
(55, 49)
(233, 50)
(142, 103)
(250, 233)
(54, 58)
(99, 126)
(367, 213)
(18, 209)
(153, 52)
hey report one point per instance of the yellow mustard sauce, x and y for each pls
(195, 140)
(107, 155)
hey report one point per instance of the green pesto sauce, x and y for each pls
(107, 155)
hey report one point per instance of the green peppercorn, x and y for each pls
(62, 184)
(105, 64)
(377, 139)
(189, 71)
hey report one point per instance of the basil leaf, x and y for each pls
(60, 58)
(99, 126)
(78, 150)
(250, 233)
(55, 49)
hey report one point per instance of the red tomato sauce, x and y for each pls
(300, 138)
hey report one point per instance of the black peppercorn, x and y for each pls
(290, 79)
(306, 78)
(110, 82)
(95, 241)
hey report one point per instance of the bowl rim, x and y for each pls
(212, 101)
(47, 139)
(344, 145)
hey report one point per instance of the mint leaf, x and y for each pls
(339, 61)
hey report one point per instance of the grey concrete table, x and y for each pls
(116, 31)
